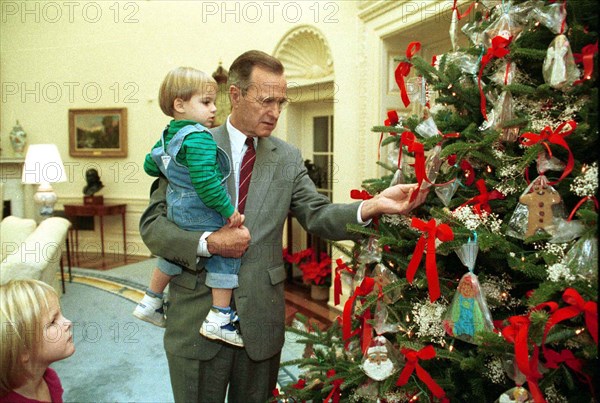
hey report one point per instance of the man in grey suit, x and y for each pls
(204, 370)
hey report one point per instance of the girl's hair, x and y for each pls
(23, 304)
(183, 82)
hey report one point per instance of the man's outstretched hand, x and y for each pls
(393, 200)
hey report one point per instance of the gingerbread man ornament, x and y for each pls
(539, 203)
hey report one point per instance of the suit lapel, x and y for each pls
(221, 136)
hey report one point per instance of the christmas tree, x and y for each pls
(488, 291)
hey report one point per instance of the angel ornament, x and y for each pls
(559, 68)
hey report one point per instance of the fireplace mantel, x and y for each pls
(11, 169)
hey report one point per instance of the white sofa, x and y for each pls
(32, 251)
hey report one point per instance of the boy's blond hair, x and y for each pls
(23, 304)
(184, 82)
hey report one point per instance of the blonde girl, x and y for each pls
(34, 334)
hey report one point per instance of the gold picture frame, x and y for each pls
(98, 132)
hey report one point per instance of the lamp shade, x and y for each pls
(43, 165)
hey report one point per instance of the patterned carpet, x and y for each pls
(119, 358)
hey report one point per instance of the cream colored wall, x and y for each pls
(93, 54)
(96, 54)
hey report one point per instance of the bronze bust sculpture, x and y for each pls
(94, 184)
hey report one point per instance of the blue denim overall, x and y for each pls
(186, 209)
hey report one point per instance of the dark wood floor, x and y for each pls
(297, 296)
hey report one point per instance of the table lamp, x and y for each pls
(44, 166)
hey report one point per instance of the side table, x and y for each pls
(96, 210)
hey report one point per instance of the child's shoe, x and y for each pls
(219, 326)
(150, 309)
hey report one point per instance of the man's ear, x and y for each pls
(235, 94)
(178, 105)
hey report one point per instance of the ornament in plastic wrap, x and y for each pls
(427, 128)
(370, 253)
(473, 32)
(582, 258)
(487, 124)
(416, 88)
(504, 115)
(505, 26)
(540, 208)
(567, 231)
(446, 191)
(518, 394)
(379, 361)
(468, 313)
(468, 64)
(552, 16)
(381, 317)
(384, 277)
(559, 69)
(505, 74)
(432, 165)
(547, 163)
(404, 174)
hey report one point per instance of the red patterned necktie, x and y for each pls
(246, 173)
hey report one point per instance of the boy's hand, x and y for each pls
(235, 220)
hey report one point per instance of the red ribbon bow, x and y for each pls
(547, 135)
(459, 15)
(403, 70)
(392, 120)
(577, 306)
(336, 392)
(431, 231)
(481, 201)
(409, 140)
(466, 167)
(360, 194)
(518, 332)
(412, 364)
(534, 377)
(363, 290)
(469, 172)
(587, 58)
(337, 282)
(553, 359)
(498, 49)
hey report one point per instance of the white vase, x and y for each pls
(18, 138)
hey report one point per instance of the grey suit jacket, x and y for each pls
(279, 184)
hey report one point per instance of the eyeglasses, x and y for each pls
(272, 102)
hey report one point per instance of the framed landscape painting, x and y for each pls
(98, 132)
